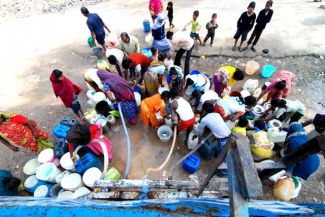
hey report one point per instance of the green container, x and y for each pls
(91, 42)
(112, 174)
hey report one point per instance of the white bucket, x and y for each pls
(66, 161)
(91, 176)
(162, 89)
(149, 39)
(257, 111)
(65, 195)
(192, 143)
(47, 155)
(97, 97)
(71, 182)
(47, 172)
(80, 192)
(164, 133)
(31, 167)
(276, 136)
(111, 119)
(245, 93)
(31, 183)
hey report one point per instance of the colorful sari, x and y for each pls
(149, 107)
(223, 78)
(14, 130)
(122, 92)
(296, 137)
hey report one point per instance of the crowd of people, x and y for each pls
(172, 91)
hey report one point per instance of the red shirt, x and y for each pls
(139, 58)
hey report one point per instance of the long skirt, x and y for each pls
(218, 86)
(130, 111)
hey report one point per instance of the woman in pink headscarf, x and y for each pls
(155, 8)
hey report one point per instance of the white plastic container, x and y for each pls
(65, 195)
(59, 177)
(43, 191)
(71, 182)
(192, 143)
(91, 176)
(275, 123)
(66, 161)
(276, 136)
(245, 93)
(47, 172)
(250, 85)
(80, 192)
(46, 155)
(31, 167)
(257, 111)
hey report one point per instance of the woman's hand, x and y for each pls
(14, 148)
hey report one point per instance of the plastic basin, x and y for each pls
(164, 133)
(267, 71)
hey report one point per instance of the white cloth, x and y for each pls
(232, 105)
(160, 70)
(91, 75)
(181, 40)
(209, 95)
(216, 125)
(184, 109)
(131, 47)
(293, 106)
(201, 82)
(118, 53)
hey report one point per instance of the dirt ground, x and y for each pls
(43, 42)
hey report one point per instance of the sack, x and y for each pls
(43, 144)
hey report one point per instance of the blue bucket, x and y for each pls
(195, 72)
(146, 26)
(43, 190)
(267, 71)
(147, 52)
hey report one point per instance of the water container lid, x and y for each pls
(46, 155)
(30, 182)
(41, 191)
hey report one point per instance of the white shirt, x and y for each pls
(293, 106)
(181, 40)
(91, 75)
(131, 47)
(216, 125)
(209, 95)
(184, 109)
(118, 53)
(232, 105)
(200, 81)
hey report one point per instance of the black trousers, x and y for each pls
(209, 35)
(178, 59)
(255, 35)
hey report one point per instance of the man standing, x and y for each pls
(184, 43)
(96, 27)
(263, 18)
(129, 44)
(244, 24)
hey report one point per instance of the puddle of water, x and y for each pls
(314, 21)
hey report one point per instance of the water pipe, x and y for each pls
(128, 162)
(186, 156)
(168, 157)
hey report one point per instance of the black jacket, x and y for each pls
(263, 19)
(246, 22)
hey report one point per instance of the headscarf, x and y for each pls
(222, 76)
(157, 23)
(64, 89)
(117, 84)
(155, 6)
(79, 134)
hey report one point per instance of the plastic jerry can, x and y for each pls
(60, 148)
(146, 26)
(87, 161)
(68, 121)
(61, 131)
(192, 163)
(207, 150)
(112, 174)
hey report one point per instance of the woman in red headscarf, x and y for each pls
(67, 91)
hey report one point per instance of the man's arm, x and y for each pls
(137, 46)
(6, 143)
(200, 128)
(184, 29)
(109, 31)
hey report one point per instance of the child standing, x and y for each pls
(211, 27)
(195, 27)
(170, 14)
(67, 91)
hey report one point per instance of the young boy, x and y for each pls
(170, 14)
(155, 54)
(67, 91)
(241, 126)
(195, 27)
(244, 24)
(211, 27)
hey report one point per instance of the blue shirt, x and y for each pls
(95, 24)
